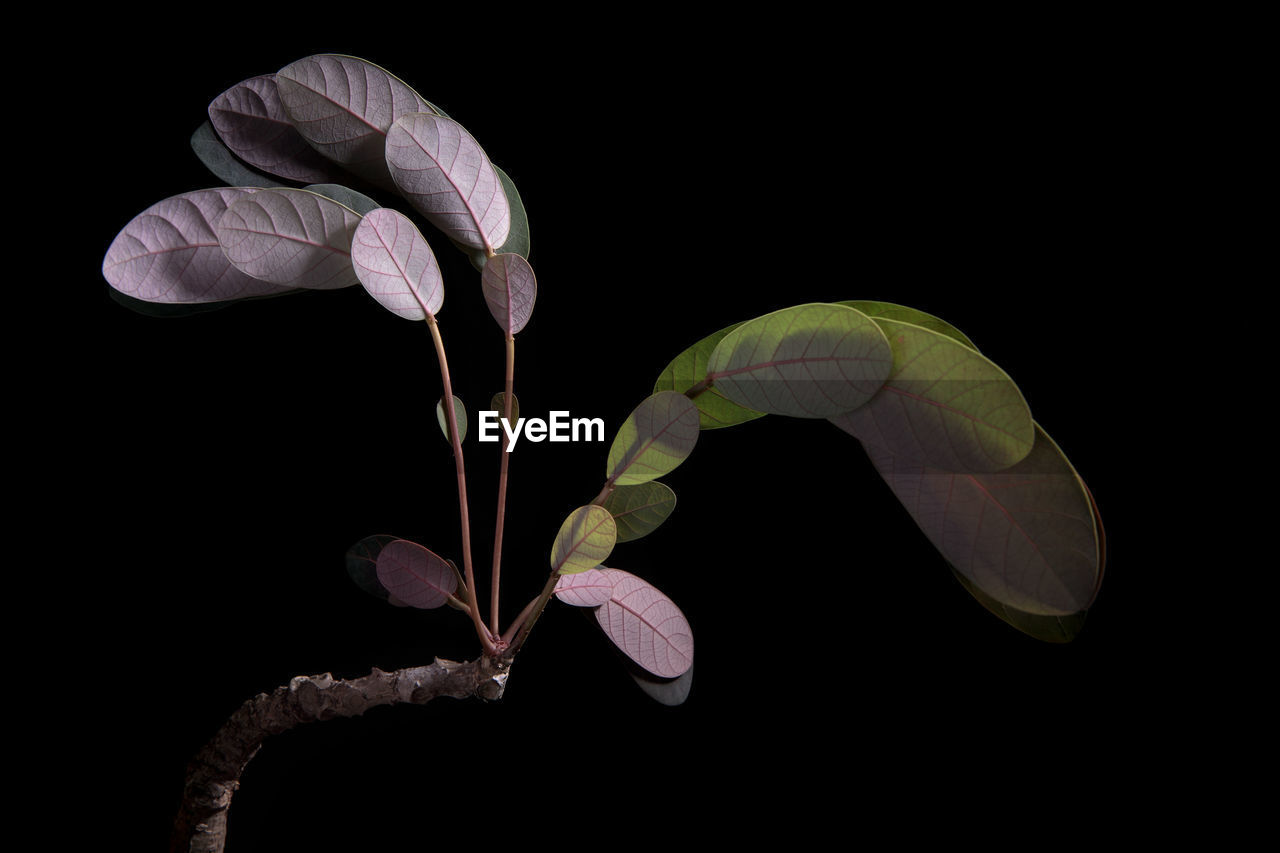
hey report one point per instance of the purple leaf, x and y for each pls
(446, 176)
(646, 625)
(396, 265)
(510, 289)
(169, 253)
(344, 106)
(251, 121)
(290, 237)
(585, 589)
(415, 575)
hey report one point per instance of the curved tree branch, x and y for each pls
(214, 774)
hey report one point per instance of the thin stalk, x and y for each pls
(524, 624)
(507, 387)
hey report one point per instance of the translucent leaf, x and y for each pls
(169, 253)
(715, 410)
(415, 575)
(640, 509)
(498, 404)
(362, 564)
(809, 361)
(447, 177)
(290, 237)
(654, 439)
(584, 589)
(646, 625)
(395, 264)
(227, 167)
(459, 414)
(944, 405)
(585, 539)
(891, 311)
(510, 290)
(252, 123)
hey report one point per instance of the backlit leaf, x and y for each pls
(891, 311)
(646, 625)
(715, 410)
(809, 361)
(459, 414)
(290, 237)
(396, 265)
(584, 589)
(362, 564)
(656, 437)
(251, 121)
(585, 539)
(640, 509)
(415, 575)
(510, 290)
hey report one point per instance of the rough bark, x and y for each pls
(214, 774)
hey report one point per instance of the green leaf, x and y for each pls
(498, 404)
(944, 405)
(656, 437)
(810, 361)
(640, 509)
(890, 311)
(715, 410)
(585, 539)
(460, 415)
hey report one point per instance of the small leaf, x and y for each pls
(510, 290)
(415, 575)
(345, 196)
(665, 691)
(396, 265)
(362, 564)
(459, 414)
(290, 237)
(447, 177)
(646, 625)
(252, 123)
(809, 361)
(944, 405)
(584, 589)
(715, 410)
(498, 404)
(218, 159)
(585, 539)
(640, 509)
(658, 435)
(890, 311)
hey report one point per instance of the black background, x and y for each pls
(677, 180)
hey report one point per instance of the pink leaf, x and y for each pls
(290, 237)
(646, 625)
(414, 575)
(510, 289)
(170, 253)
(251, 121)
(585, 589)
(446, 176)
(396, 265)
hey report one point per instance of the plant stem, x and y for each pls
(507, 393)
(525, 622)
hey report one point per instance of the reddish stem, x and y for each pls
(502, 484)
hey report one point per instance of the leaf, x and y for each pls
(639, 510)
(498, 404)
(169, 253)
(665, 691)
(944, 405)
(1050, 629)
(447, 177)
(809, 361)
(344, 106)
(252, 123)
(656, 437)
(715, 410)
(219, 160)
(395, 264)
(646, 625)
(890, 311)
(345, 196)
(585, 539)
(510, 290)
(415, 575)
(290, 237)
(1026, 536)
(584, 589)
(362, 564)
(518, 241)
(459, 414)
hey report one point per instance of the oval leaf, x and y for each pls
(218, 159)
(251, 121)
(169, 253)
(1026, 536)
(362, 564)
(585, 539)
(584, 589)
(345, 196)
(657, 436)
(396, 265)
(944, 405)
(291, 237)
(459, 414)
(447, 177)
(639, 510)
(344, 106)
(715, 410)
(809, 361)
(498, 404)
(646, 625)
(415, 575)
(891, 311)
(510, 290)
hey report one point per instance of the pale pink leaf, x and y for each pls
(646, 625)
(251, 121)
(290, 237)
(414, 575)
(510, 290)
(396, 265)
(445, 175)
(585, 589)
(169, 253)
